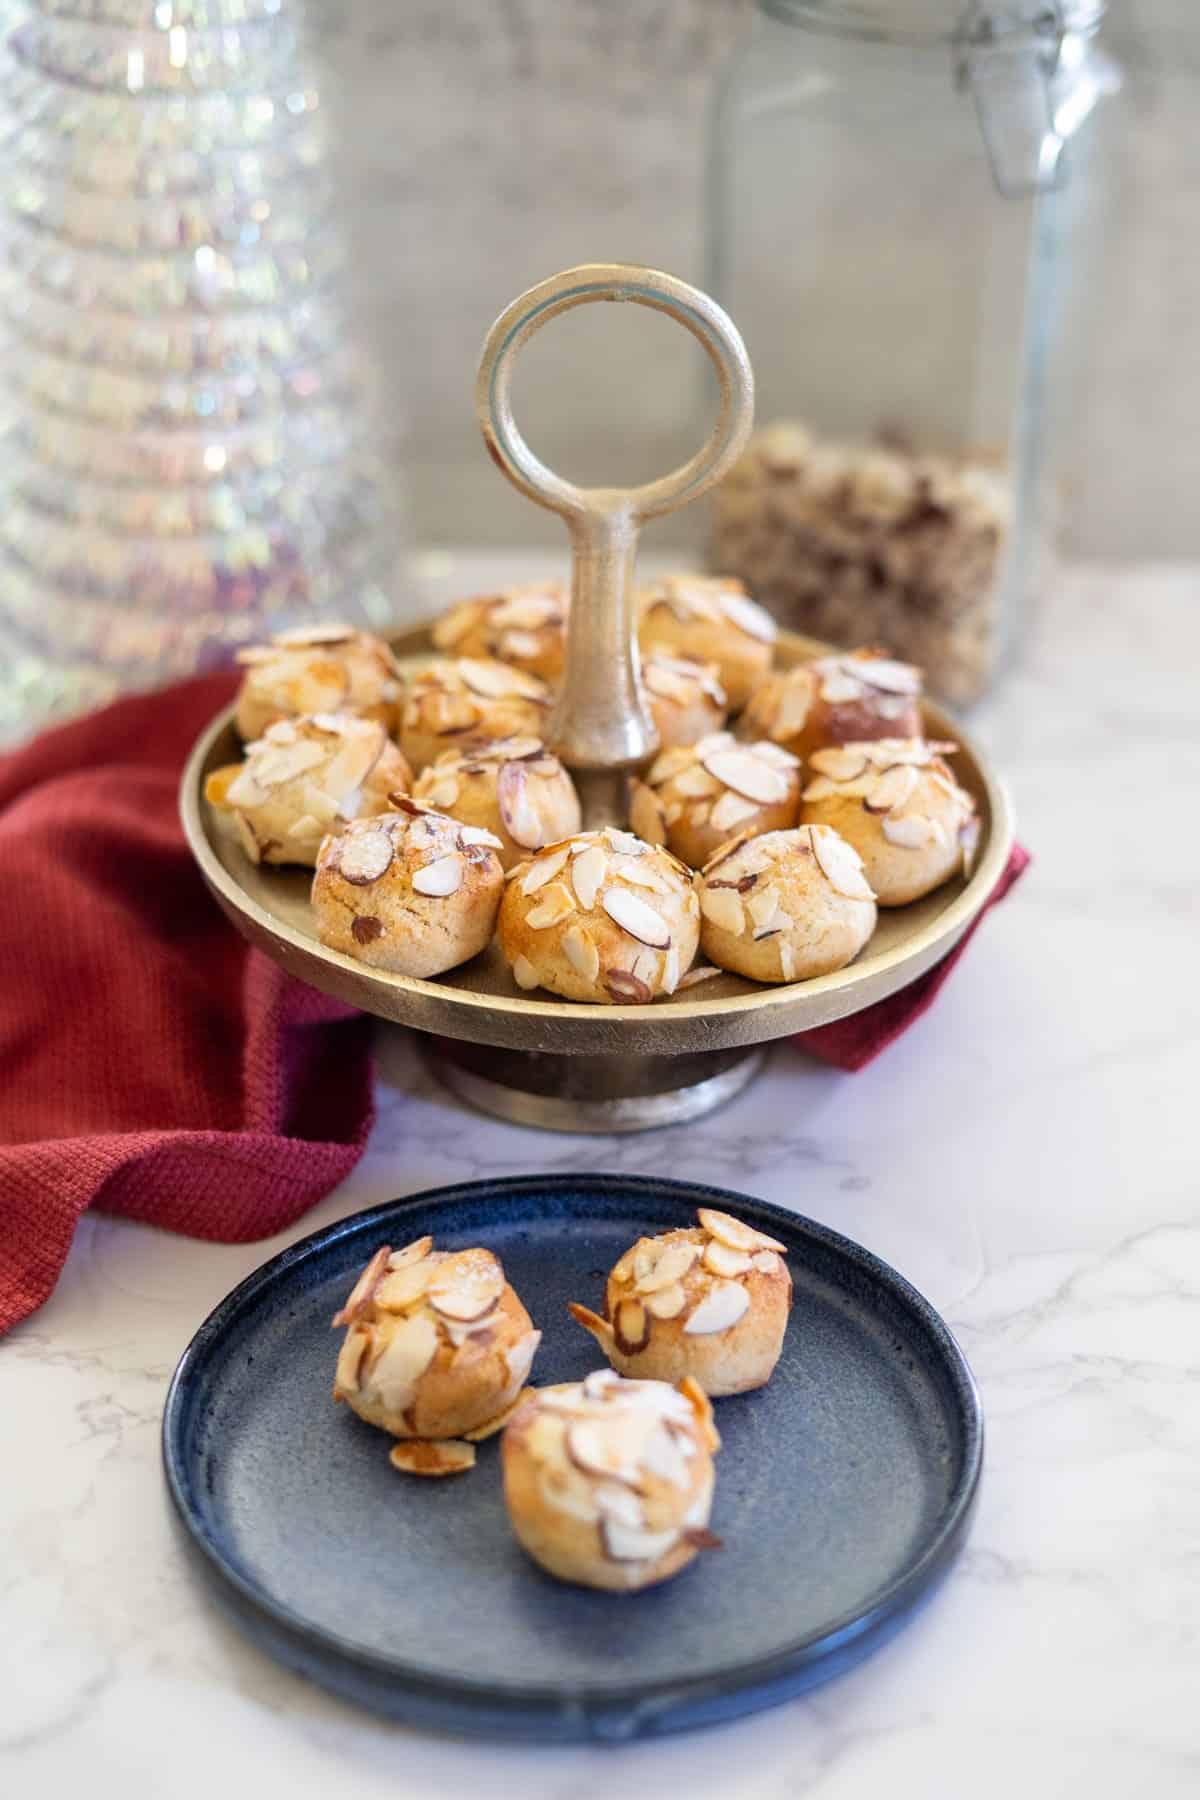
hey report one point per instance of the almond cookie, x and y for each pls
(609, 1483)
(305, 777)
(313, 669)
(898, 803)
(711, 1303)
(453, 702)
(437, 1347)
(411, 891)
(513, 787)
(602, 917)
(696, 797)
(785, 906)
(685, 697)
(712, 619)
(850, 697)
(525, 626)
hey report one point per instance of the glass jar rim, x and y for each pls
(928, 22)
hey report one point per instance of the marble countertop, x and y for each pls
(1026, 1155)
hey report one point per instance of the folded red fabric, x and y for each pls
(151, 1063)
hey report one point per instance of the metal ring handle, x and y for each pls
(601, 720)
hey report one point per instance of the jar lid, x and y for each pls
(936, 21)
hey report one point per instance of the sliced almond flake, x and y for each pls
(354, 762)
(542, 870)
(556, 903)
(634, 916)
(795, 702)
(476, 834)
(433, 1457)
(702, 972)
(619, 1504)
(627, 989)
(670, 970)
(641, 872)
(498, 681)
(441, 793)
(355, 1345)
(439, 878)
(517, 812)
(787, 962)
(359, 1296)
(763, 903)
(765, 1261)
(697, 783)
(646, 814)
(776, 755)
(735, 1234)
(667, 764)
(892, 677)
(722, 908)
(891, 790)
(909, 832)
(581, 952)
(403, 1360)
(668, 1302)
(415, 1252)
(403, 1287)
(624, 842)
(665, 681)
(588, 874)
(839, 688)
(279, 763)
(306, 826)
(752, 619)
(524, 973)
(746, 773)
(300, 636)
(725, 851)
(674, 1263)
(820, 789)
(621, 1544)
(722, 1306)
(720, 1260)
(840, 863)
(663, 1457)
(732, 810)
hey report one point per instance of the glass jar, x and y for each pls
(898, 190)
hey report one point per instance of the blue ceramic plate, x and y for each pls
(844, 1488)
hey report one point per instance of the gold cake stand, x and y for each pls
(555, 1063)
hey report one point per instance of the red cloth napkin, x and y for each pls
(151, 1063)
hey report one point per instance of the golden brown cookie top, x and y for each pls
(905, 782)
(732, 778)
(327, 756)
(711, 599)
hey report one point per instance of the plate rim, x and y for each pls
(762, 1014)
(665, 1695)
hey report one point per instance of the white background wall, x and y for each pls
(485, 143)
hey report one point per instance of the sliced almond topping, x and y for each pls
(646, 814)
(732, 810)
(820, 789)
(735, 1234)
(670, 970)
(702, 1411)
(490, 1427)
(517, 811)
(787, 962)
(722, 908)
(475, 834)
(403, 1287)
(631, 1326)
(581, 952)
(719, 1259)
(702, 972)
(968, 837)
(299, 636)
(748, 774)
(668, 1303)
(246, 837)
(588, 872)
(721, 1307)
(891, 789)
(673, 1264)
(697, 783)
(600, 1328)
(417, 1251)
(763, 904)
(839, 764)
(557, 903)
(364, 856)
(441, 793)
(669, 763)
(433, 1457)
(663, 1456)
(519, 1356)
(359, 1296)
(748, 617)
(403, 1360)
(439, 878)
(542, 870)
(355, 1345)
(765, 1261)
(497, 681)
(624, 1544)
(627, 989)
(795, 699)
(892, 677)
(218, 782)
(524, 973)
(839, 688)
(910, 832)
(606, 1446)
(840, 863)
(619, 1504)
(634, 916)
(466, 1285)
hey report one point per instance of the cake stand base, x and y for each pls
(590, 1093)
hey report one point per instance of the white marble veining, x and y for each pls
(1025, 1155)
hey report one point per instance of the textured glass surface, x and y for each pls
(184, 448)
